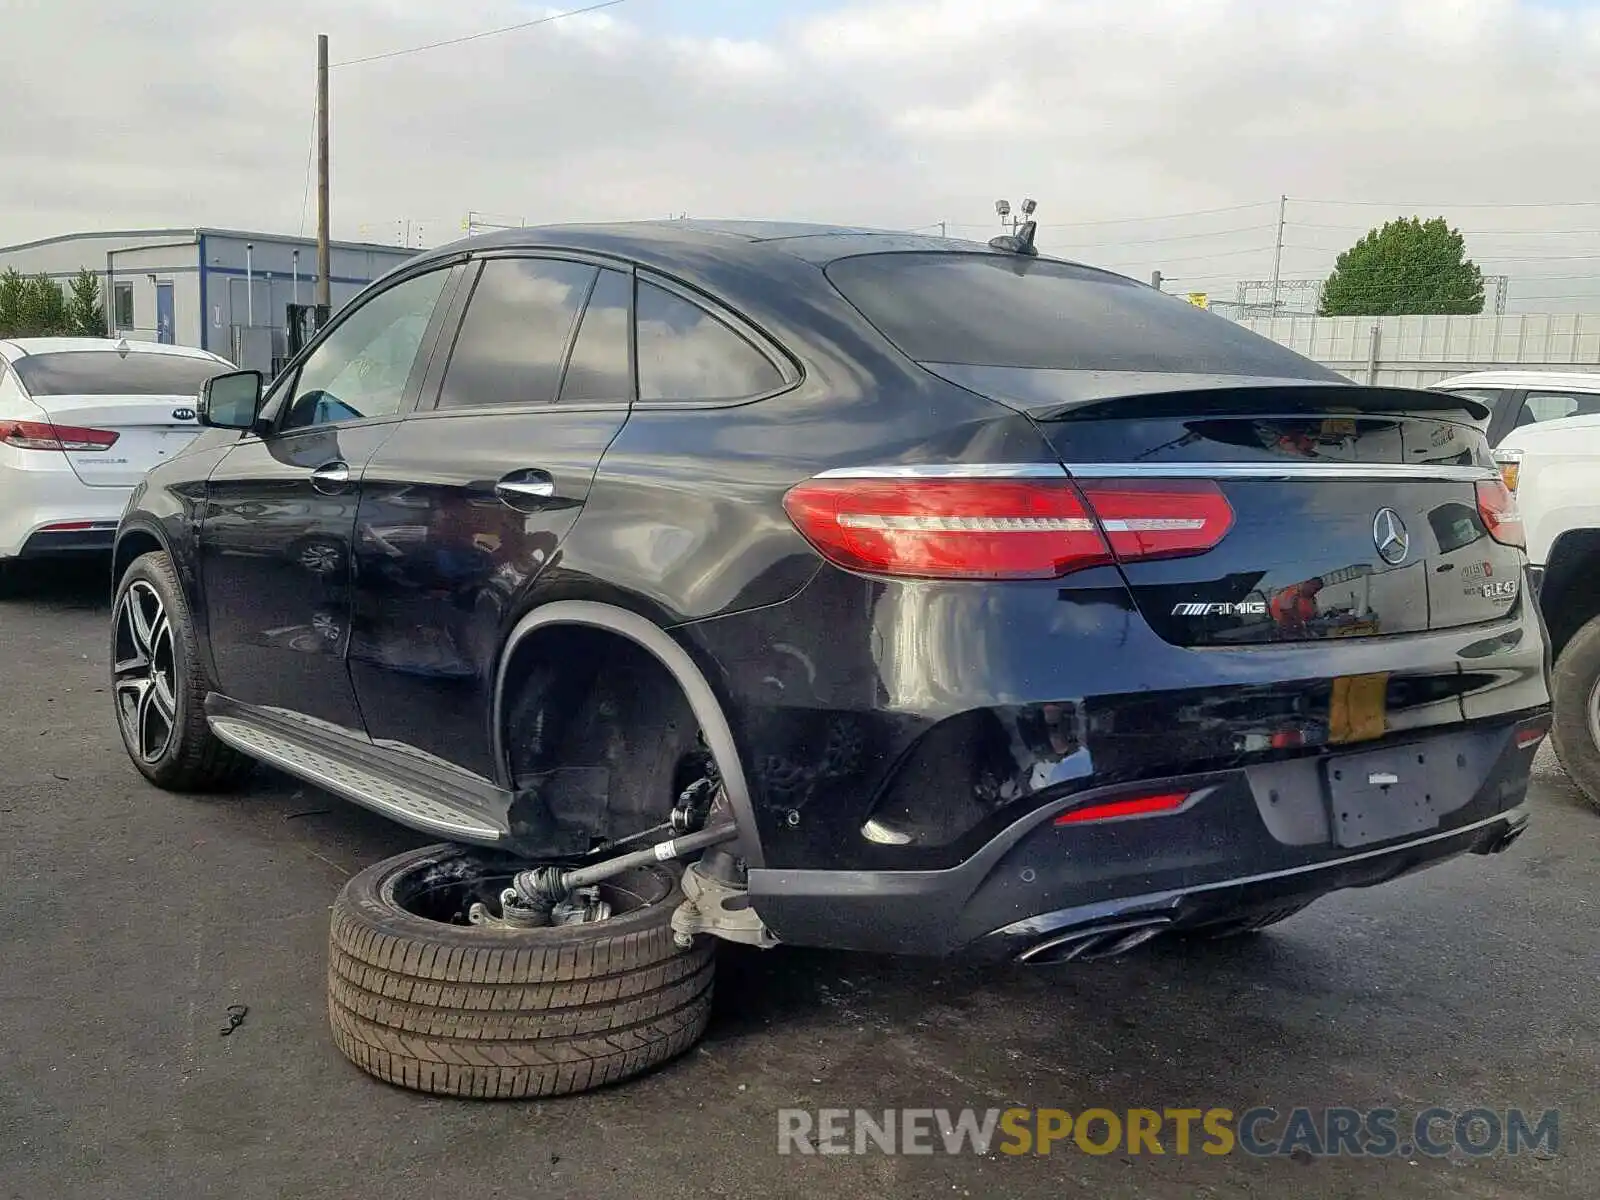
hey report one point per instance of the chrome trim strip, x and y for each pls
(949, 471)
(1292, 470)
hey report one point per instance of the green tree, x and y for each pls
(43, 308)
(85, 314)
(1407, 266)
(12, 288)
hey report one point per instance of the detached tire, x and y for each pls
(1573, 686)
(464, 1010)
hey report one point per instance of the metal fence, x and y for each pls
(1417, 351)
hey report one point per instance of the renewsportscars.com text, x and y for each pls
(1260, 1132)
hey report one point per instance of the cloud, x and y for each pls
(877, 111)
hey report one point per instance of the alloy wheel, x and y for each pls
(1594, 713)
(144, 672)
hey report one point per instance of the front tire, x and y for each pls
(158, 684)
(1575, 700)
(421, 999)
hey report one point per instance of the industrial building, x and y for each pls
(222, 290)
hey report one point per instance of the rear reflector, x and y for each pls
(1498, 508)
(41, 435)
(1510, 464)
(75, 526)
(986, 528)
(1532, 732)
(1138, 807)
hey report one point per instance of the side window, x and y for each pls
(514, 338)
(361, 370)
(122, 305)
(687, 354)
(599, 367)
(1552, 406)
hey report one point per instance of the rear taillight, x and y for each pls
(1159, 519)
(41, 435)
(1498, 509)
(982, 528)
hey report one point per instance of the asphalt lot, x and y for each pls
(131, 919)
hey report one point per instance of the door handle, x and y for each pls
(526, 489)
(331, 477)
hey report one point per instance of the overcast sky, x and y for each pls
(189, 112)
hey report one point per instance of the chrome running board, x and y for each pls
(419, 791)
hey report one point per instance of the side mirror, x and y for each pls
(230, 401)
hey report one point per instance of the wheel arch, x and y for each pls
(132, 541)
(1570, 594)
(697, 691)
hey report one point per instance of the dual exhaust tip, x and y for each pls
(1110, 941)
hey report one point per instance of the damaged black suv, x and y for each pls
(781, 583)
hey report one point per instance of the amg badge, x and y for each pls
(1245, 608)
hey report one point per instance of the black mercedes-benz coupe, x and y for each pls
(920, 595)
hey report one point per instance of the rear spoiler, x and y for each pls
(1060, 395)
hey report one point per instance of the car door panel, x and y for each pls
(276, 558)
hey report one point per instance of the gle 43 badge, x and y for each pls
(1499, 589)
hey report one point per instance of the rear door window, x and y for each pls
(685, 353)
(516, 333)
(600, 366)
(1553, 406)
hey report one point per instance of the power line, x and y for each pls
(1437, 204)
(1176, 237)
(311, 151)
(1189, 257)
(486, 33)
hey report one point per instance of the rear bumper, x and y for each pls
(1250, 839)
(43, 493)
(74, 539)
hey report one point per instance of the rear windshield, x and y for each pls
(1009, 311)
(107, 373)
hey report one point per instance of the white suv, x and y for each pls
(1545, 427)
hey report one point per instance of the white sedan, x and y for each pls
(81, 421)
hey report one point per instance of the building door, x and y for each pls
(164, 312)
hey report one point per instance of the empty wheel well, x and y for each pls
(601, 727)
(1570, 595)
(131, 545)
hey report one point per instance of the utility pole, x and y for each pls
(1277, 252)
(324, 293)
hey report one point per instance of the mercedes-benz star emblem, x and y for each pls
(1389, 535)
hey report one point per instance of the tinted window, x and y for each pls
(687, 354)
(122, 305)
(598, 368)
(516, 332)
(1552, 406)
(107, 373)
(1009, 311)
(362, 368)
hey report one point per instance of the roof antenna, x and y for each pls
(1020, 239)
